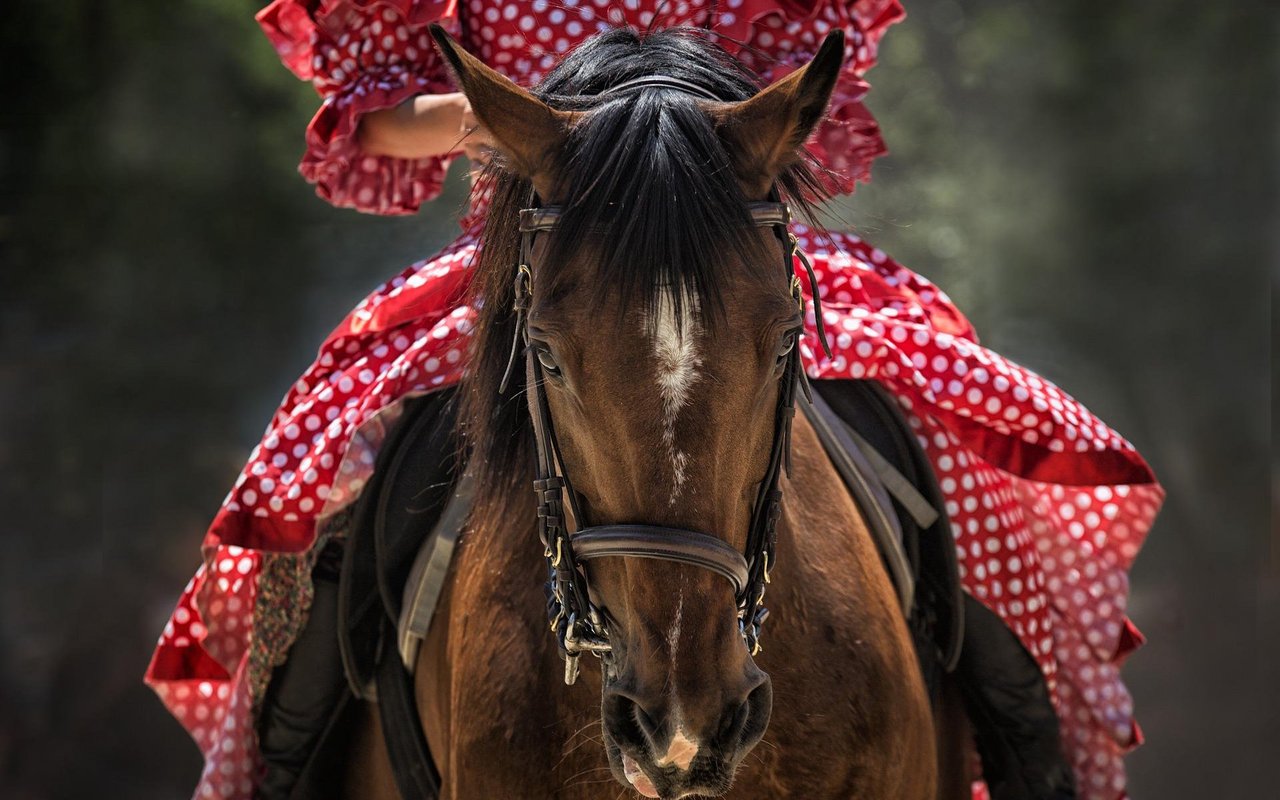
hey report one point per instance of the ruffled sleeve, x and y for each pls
(776, 38)
(363, 55)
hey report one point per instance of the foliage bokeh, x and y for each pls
(1094, 182)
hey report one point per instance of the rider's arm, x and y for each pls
(423, 126)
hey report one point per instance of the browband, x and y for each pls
(661, 82)
(545, 218)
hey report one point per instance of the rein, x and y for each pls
(579, 625)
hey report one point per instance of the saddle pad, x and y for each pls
(882, 433)
(869, 493)
(411, 482)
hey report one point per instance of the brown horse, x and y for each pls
(661, 331)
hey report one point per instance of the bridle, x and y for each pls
(579, 625)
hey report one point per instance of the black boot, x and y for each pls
(305, 691)
(1014, 723)
(312, 692)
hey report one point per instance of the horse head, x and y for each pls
(661, 322)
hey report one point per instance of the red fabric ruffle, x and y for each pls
(315, 38)
(1048, 504)
(361, 56)
(848, 140)
(752, 25)
(348, 177)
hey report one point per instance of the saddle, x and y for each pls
(407, 523)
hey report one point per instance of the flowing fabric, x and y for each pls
(1048, 505)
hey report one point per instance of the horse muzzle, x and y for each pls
(666, 747)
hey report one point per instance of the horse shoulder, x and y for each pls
(495, 708)
(848, 692)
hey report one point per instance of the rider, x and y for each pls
(1048, 505)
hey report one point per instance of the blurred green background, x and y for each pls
(1094, 182)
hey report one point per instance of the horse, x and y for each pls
(637, 350)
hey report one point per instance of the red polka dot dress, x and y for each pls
(1048, 505)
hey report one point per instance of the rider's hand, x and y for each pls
(477, 143)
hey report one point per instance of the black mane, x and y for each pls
(647, 175)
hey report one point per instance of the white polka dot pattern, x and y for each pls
(1047, 556)
(777, 40)
(1048, 505)
(363, 55)
(198, 670)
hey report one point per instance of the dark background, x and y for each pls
(1094, 182)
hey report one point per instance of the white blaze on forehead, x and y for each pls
(675, 349)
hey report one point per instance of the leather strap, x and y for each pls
(876, 506)
(545, 218)
(665, 544)
(908, 496)
(413, 767)
(937, 611)
(539, 218)
(661, 82)
(764, 212)
(430, 568)
(412, 477)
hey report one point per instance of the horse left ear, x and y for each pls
(765, 133)
(529, 133)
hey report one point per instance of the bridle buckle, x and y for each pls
(582, 636)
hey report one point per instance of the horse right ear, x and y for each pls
(530, 134)
(765, 133)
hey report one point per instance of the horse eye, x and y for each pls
(548, 363)
(788, 344)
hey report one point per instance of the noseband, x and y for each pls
(579, 625)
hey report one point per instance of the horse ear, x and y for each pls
(764, 134)
(529, 133)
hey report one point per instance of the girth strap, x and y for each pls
(664, 544)
(914, 503)
(413, 767)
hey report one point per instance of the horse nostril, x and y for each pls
(646, 722)
(671, 742)
(628, 721)
(733, 722)
(758, 707)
